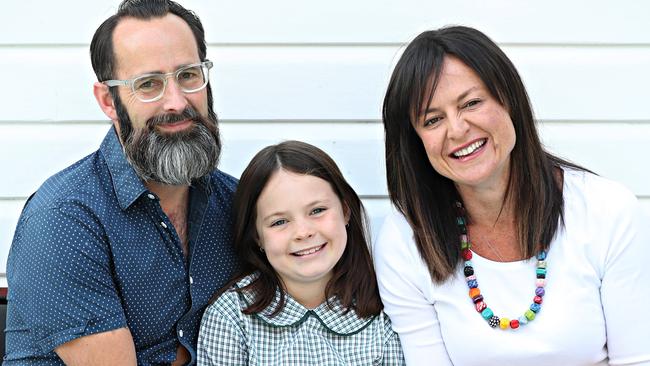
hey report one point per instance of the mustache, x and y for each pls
(187, 113)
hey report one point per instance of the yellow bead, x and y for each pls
(504, 323)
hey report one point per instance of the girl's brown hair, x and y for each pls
(353, 280)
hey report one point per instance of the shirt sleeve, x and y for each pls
(624, 287)
(222, 341)
(60, 281)
(403, 280)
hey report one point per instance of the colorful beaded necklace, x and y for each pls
(475, 294)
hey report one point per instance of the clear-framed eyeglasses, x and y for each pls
(151, 87)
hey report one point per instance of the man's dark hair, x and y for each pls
(102, 54)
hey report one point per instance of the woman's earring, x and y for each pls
(261, 249)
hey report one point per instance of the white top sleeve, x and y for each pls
(401, 276)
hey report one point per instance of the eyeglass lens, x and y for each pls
(189, 79)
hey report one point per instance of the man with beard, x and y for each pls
(115, 258)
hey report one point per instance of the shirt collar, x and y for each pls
(334, 319)
(126, 183)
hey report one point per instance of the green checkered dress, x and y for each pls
(295, 336)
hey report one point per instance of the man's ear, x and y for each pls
(105, 100)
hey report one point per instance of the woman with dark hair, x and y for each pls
(307, 294)
(552, 255)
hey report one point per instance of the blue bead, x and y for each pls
(460, 220)
(472, 283)
(487, 313)
(523, 320)
(541, 271)
(535, 307)
(541, 256)
(468, 264)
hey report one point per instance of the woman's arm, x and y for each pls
(403, 281)
(624, 288)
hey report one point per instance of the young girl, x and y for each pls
(307, 294)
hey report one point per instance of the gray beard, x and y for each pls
(173, 159)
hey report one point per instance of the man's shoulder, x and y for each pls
(223, 182)
(72, 184)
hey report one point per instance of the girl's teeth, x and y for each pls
(310, 251)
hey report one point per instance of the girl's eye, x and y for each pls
(317, 210)
(278, 222)
(472, 103)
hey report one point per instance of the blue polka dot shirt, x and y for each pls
(93, 251)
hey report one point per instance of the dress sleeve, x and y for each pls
(221, 340)
(60, 280)
(393, 354)
(624, 287)
(404, 286)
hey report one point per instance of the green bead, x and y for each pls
(487, 313)
(530, 315)
(541, 271)
(464, 245)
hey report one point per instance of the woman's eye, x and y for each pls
(432, 121)
(278, 222)
(472, 103)
(317, 210)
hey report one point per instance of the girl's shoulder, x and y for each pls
(234, 300)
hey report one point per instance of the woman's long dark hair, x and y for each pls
(426, 198)
(353, 280)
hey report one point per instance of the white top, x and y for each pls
(597, 293)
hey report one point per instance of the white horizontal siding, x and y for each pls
(344, 21)
(591, 83)
(317, 71)
(617, 151)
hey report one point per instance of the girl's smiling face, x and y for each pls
(301, 228)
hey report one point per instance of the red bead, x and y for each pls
(514, 324)
(537, 299)
(466, 254)
(480, 306)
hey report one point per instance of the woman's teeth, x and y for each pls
(470, 149)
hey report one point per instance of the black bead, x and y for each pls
(494, 321)
(541, 275)
(469, 271)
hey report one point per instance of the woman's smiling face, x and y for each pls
(467, 134)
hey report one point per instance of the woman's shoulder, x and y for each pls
(597, 192)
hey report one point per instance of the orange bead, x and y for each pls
(473, 292)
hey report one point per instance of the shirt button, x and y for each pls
(151, 196)
(191, 280)
(162, 223)
(180, 333)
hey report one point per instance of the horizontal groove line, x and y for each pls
(313, 121)
(362, 196)
(327, 44)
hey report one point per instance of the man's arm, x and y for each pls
(114, 347)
